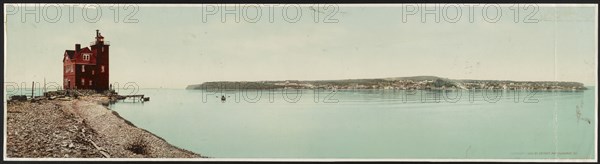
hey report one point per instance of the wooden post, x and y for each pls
(32, 88)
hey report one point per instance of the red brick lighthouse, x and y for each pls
(87, 68)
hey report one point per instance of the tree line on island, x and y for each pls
(399, 83)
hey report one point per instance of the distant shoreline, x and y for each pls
(433, 89)
(396, 83)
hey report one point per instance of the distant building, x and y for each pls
(87, 68)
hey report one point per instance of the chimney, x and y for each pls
(77, 48)
(97, 33)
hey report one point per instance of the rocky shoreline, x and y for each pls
(81, 127)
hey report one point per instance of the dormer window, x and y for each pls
(86, 57)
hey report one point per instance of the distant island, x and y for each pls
(398, 83)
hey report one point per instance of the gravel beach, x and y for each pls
(80, 128)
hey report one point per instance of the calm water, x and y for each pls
(370, 123)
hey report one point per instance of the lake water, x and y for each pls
(371, 123)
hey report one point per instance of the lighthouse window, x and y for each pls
(101, 68)
(90, 82)
(82, 68)
(92, 72)
(82, 81)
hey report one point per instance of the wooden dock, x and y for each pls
(139, 98)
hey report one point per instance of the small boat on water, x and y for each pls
(223, 98)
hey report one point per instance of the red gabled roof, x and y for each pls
(70, 53)
(85, 49)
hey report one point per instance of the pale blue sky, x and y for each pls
(171, 47)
